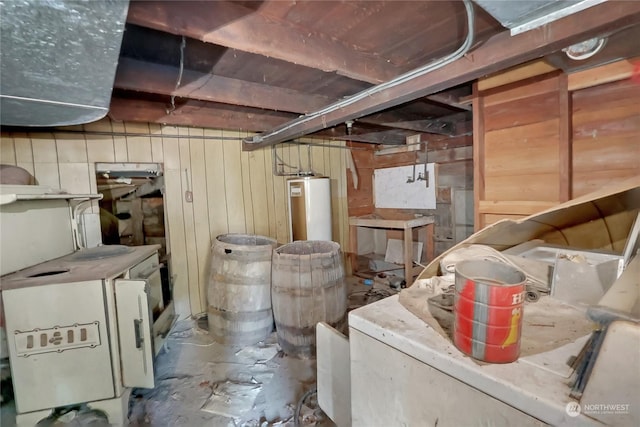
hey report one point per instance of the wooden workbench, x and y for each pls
(425, 225)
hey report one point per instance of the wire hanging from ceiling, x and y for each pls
(459, 53)
(183, 44)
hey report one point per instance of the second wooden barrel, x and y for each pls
(307, 287)
(239, 290)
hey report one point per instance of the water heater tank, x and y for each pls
(309, 208)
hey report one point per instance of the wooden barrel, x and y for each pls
(307, 287)
(239, 290)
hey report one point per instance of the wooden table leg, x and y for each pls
(429, 244)
(422, 237)
(408, 255)
(353, 248)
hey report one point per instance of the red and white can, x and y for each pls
(488, 310)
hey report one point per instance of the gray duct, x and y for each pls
(521, 16)
(58, 60)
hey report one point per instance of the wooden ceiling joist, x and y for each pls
(238, 27)
(500, 52)
(193, 113)
(161, 79)
(388, 137)
(453, 125)
(451, 98)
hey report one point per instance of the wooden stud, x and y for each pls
(564, 138)
(478, 156)
(136, 222)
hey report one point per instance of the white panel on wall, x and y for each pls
(393, 191)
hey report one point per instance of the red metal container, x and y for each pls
(488, 311)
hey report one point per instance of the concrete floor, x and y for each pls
(202, 383)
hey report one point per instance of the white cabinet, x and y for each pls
(84, 328)
(405, 373)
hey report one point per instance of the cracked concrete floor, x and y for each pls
(203, 383)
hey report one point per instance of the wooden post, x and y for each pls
(408, 254)
(478, 156)
(137, 218)
(565, 145)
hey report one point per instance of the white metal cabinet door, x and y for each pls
(134, 330)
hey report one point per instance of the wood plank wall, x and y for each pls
(233, 191)
(606, 135)
(518, 146)
(538, 143)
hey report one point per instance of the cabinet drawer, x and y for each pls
(145, 268)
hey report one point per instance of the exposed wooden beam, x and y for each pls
(453, 125)
(149, 77)
(500, 52)
(515, 74)
(618, 70)
(193, 113)
(232, 25)
(452, 98)
(390, 137)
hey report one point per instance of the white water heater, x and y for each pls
(309, 208)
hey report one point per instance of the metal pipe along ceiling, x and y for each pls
(273, 136)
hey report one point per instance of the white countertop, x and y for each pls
(77, 270)
(531, 384)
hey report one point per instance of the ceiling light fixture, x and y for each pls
(586, 49)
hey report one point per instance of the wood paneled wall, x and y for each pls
(537, 142)
(516, 149)
(233, 191)
(606, 135)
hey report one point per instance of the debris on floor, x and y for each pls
(260, 353)
(203, 383)
(232, 399)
